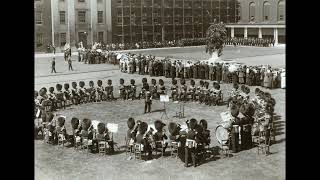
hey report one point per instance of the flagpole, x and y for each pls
(52, 23)
(91, 9)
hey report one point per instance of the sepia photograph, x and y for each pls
(159, 89)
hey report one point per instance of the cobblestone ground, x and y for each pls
(53, 162)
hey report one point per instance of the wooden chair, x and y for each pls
(174, 151)
(86, 143)
(159, 145)
(138, 151)
(129, 147)
(61, 139)
(263, 142)
(225, 147)
(77, 142)
(102, 147)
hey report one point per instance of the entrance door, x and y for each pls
(83, 38)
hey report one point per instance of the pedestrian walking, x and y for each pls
(53, 65)
(70, 63)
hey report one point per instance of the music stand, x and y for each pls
(164, 99)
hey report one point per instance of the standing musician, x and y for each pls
(162, 88)
(109, 90)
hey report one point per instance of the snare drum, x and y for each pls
(222, 134)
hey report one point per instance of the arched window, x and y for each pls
(266, 11)
(252, 11)
(281, 10)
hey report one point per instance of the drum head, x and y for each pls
(222, 134)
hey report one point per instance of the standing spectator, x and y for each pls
(70, 63)
(53, 65)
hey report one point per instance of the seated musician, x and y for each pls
(52, 97)
(100, 91)
(204, 93)
(60, 95)
(75, 94)
(92, 92)
(109, 90)
(143, 89)
(122, 90)
(174, 90)
(86, 133)
(132, 90)
(206, 132)
(190, 148)
(183, 90)
(199, 90)
(50, 128)
(162, 88)
(132, 131)
(174, 130)
(154, 89)
(192, 89)
(144, 139)
(160, 135)
(76, 129)
(234, 93)
(83, 92)
(103, 135)
(67, 93)
(215, 94)
(60, 130)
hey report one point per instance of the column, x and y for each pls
(260, 33)
(71, 34)
(108, 21)
(245, 34)
(52, 20)
(93, 23)
(275, 36)
(232, 32)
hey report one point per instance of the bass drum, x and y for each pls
(222, 134)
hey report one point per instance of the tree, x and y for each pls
(216, 35)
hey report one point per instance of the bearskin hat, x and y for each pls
(51, 89)
(201, 82)
(99, 82)
(132, 81)
(199, 129)
(86, 123)
(146, 87)
(143, 127)
(144, 80)
(91, 83)
(204, 124)
(173, 128)
(182, 81)
(257, 90)
(235, 85)
(234, 110)
(174, 81)
(247, 90)
(192, 82)
(75, 123)
(272, 101)
(66, 86)
(49, 117)
(101, 128)
(74, 84)
(121, 81)
(61, 121)
(130, 123)
(267, 95)
(161, 82)
(42, 92)
(109, 81)
(81, 84)
(153, 81)
(158, 124)
(192, 123)
(58, 87)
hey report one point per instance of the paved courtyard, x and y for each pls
(52, 162)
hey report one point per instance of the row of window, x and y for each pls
(63, 39)
(156, 20)
(266, 11)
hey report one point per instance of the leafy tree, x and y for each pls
(216, 35)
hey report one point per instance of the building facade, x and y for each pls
(153, 20)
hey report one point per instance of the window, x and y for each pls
(119, 13)
(188, 20)
(144, 20)
(266, 11)
(63, 39)
(155, 20)
(176, 20)
(81, 0)
(82, 16)
(62, 17)
(281, 10)
(133, 1)
(252, 11)
(119, 19)
(100, 17)
(100, 36)
(39, 39)
(38, 17)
